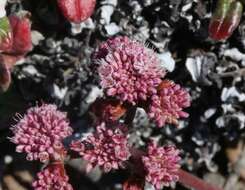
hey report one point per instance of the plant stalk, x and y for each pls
(190, 181)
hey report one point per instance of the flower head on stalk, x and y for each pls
(161, 165)
(167, 105)
(106, 148)
(40, 133)
(53, 177)
(128, 70)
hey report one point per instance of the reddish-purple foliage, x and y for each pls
(167, 105)
(53, 177)
(106, 148)
(40, 133)
(161, 165)
(128, 70)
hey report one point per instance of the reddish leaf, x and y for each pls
(21, 27)
(6, 37)
(225, 20)
(77, 10)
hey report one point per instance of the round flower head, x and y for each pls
(106, 148)
(128, 70)
(40, 133)
(166, 106)
(161, 165)
(53, 177)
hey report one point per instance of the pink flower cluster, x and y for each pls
(53, 177)
(161, 165)
(40, 133)
(166, 106)
(106, 148)
(128, 70)
(132, 73)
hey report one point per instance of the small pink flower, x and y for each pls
(167, 105)
(106, 148)
(53, 177)
(128, 70)
(40, 133)
(161, 165)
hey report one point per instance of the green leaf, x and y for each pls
(5, 27)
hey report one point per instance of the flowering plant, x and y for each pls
(131, 76)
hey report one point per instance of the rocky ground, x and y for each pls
(58, 70)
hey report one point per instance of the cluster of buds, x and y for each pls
(106, 148)
(225, 19)
(40, 134)
(166, 106)
(41, 131)
(133, 75)
(161, 165)
(52, 177)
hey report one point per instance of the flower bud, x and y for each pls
(77, 10)
(225, 19)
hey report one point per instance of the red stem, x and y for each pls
(191, 181)
(186, 179)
